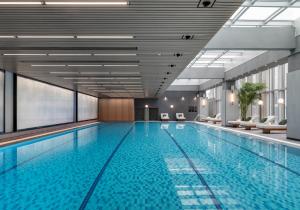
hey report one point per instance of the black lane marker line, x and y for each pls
(210, 192)
(39, 155)
(281, 166)
(99, 176)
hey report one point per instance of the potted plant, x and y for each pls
(248, 93)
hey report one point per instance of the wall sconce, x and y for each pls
(165, 98)
(231, 99)
(260, 102)
(280, 101)
(203, 102)
(171, 106)
(146, 106)
(182, 98)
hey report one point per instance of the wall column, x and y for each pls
(293, 96)
(230, 108)
(10, 103)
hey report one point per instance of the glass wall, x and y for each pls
(40, 104)
(87, 107)
(1, 101)
(274, 96)
(213, 96)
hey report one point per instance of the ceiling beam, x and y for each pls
(242, 38)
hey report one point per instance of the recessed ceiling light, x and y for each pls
(47, 65)
(105, 37)
(99, 3)
(94, 3)
(120, 65)
(68, 54)
(7, 37)
(75, 78)
(122, 54)
(84, 65)
(94, 72)
(44, 37)
(24, 54)
(124, 73)
(19, 2)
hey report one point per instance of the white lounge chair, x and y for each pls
(180, 117)
(255, 121)
(267, 128)
(164, 117)
(234, 123)
(216, 119)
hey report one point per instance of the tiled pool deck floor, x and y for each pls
(16, 137)
(280, 136)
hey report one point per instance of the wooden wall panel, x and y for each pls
(116, 110)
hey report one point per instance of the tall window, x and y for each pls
(274, 96)
(214, 99)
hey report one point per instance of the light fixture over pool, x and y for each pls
(280, 101)
(260, 102)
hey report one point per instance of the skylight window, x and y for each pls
(289, 14)
(258, 13)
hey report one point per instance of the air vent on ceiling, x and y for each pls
(206, 3)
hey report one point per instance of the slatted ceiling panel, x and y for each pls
(157, 27)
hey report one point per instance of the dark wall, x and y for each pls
(173, 98)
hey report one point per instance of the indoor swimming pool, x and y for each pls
(149, 165)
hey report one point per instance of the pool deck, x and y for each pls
(276, 136)
(26, 135)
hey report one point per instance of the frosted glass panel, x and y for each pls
(87, 107)
(1, 101)
(40, 104)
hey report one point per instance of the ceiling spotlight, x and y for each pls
(178, 55)
(187, 37)
(182, 98)
(165, 98)
(171, 106)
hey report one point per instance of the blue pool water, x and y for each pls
(149, 166)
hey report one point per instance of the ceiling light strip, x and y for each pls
(69, 37)
(61, 3)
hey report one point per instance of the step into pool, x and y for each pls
(149, 165)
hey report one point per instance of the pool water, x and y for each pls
(149, 166)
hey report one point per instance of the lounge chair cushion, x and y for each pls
(283, 122)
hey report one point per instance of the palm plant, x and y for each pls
(248, 93)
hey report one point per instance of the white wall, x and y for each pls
(87, 107)
(41, 104)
